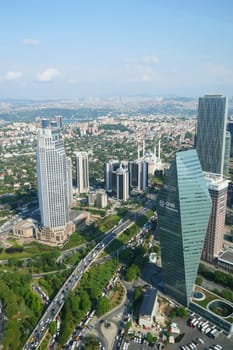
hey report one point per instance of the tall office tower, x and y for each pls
(109, 167)
(82, 172)
(138, 174)
(230, 129)
(183, 209)
(211, 132)
(53, 124)
(69, 181)
(59, 121)
(120, 183)
(227, 153)
(217, 186)
(52, 185)
(45, 123)
(101, 198)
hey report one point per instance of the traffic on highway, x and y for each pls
(57, 303)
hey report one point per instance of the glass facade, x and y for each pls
(183, 209)
(211, 131)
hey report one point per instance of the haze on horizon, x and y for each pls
(68, 49)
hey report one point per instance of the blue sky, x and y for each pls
(68, 48)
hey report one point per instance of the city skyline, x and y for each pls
(69, 50)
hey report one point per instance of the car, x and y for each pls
(200, 340)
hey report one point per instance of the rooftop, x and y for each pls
(227, 257)
(148, 301)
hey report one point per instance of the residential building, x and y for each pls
(211, 132)
(213, 243)
(82, 172)
(59, 121)
(183, 210)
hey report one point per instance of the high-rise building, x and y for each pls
(109, 167)
(82, 172)
(227, 153)
(45, 123)
(69, 181)
(120, 185)
(52, 186)
(101, 199)
(217, 186)
(59, 121)
(230, 129)
(183, 209)
(211, 132)
(138, 174)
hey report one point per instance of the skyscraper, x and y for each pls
(82, 172)
(217, 186)
(109, 167)
(52, 185)
(183, 213)
(138, 174)
(227, 153)
(211, 132)
(69, 181)
(122, 183)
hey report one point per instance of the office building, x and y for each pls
(148, 310)
(211, 132)
(227, 153)
(109, 167)
(101, 199)
(59, 121)
(69, 181)
(138, 175)
(45, 123)
(213, 243)
(82, 172)
(120, 184)
(52, 187)
(183, 207)
(230, 129)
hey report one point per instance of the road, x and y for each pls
(57, 303)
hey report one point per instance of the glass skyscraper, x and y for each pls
(52, 179)
(183, 208)
(211, 132)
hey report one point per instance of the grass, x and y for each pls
(208, 297)
(45, 342)
(30, 250)
(76, 239)
(123, 238)
(108, 223)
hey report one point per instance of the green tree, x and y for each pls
(53, 327)
(199, 280)
(103, 306)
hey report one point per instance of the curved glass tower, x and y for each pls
(183, 209)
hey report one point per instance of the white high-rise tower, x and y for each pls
(52, 186)
(82, 171)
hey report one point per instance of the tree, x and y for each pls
(103, 306)
(132, 273)
(199, 280)
(53, 327)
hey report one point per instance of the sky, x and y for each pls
(79, 48)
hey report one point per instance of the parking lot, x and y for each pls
(194, 333)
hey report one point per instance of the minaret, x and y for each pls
(155, 150)
(138, 151)
(143, 148)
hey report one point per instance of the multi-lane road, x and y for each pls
(57, 303)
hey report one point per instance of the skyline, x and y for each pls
(70, 49)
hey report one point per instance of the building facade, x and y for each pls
(211, 132)
(213, 243)
(52, 185)
(183, 209)
(227, 153)
(138, 175)
(120, 184)
(69, 181)
(82, 172)
(109, 167)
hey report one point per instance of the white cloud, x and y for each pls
(13, 75)
(150, 60)
(48, 75)
(31, 42)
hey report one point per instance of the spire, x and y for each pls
(159, 150)
(138, 151)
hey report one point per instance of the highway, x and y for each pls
(57, 303)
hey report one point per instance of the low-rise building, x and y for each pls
(25, 228)
(225, 260)
(148, 308)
